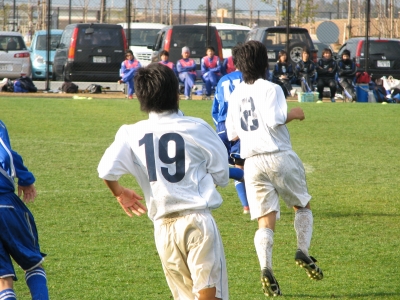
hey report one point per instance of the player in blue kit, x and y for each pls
(219, 110)
(177, 161)
(18, 234)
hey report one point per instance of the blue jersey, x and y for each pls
(225, 87)
(11, 165)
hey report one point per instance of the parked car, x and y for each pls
(90, 52)
(141, 35)
(230, 34)
(173, 38)
(384, 55)
(38, 52)
(14, 56)
(274, 38)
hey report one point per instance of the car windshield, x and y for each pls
(384, 47)
(41, 43)
(231, 37)
(11, 43)
(142, 37)
(100, 37)
(278, 39)
(196, 37)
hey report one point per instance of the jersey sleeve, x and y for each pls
(117, 159)
(276, 111)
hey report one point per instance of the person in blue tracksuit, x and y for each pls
(219, 110)
(18, 233)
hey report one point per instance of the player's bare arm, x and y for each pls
(295, 113)
(127, 198)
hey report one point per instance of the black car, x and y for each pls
(173, 38)
(384, 55)
(90, 52)
(274, 38)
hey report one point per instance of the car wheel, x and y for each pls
(295, 52)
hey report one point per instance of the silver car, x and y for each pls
(14, 56)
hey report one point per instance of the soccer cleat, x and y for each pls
(308, 263)
(333, 100)
(270, 285)
(246, 210)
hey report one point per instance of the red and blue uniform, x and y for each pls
(187, 73)
(210, 68)
(127, 72)
(170, 65)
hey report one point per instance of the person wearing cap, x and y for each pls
(211, 70)
(346, 75)
(186, 68)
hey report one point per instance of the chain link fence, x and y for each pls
(27, 16)
(349, 16)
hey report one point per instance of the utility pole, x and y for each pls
(13, 16)
(367, 19)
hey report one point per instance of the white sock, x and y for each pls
(263, 241)
(303, 224)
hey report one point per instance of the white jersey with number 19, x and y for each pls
(177, 161)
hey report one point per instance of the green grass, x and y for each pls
(96, 252)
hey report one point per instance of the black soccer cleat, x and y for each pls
(270, 285)
(308, 263)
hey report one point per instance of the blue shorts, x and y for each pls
(233, 148)
(18, 236)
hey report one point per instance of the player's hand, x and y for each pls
(297, 113)
(28, 193)
(129, 202)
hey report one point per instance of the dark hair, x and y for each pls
(282, 53)
(326, 50)
(306, 50)
(210, 48)
(346, 52)
(156, 87)
(252, 61)
(129, 52)
(235, 51)
(164, 52)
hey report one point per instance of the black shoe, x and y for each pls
(270, 285)
(308, 263)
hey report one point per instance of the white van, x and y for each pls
(230, 34)
(142, 35)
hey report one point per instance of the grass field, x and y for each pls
(96, 252)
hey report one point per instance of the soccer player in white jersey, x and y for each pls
(177, 161)
(219, 109)
(258, 115)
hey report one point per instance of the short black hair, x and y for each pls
(252, 61)
(326, 50)
(306, 50)
(156, 87)
(164, 52)
(210, 48)
(346, 52)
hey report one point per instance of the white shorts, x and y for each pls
(192, 254)
(272, 175)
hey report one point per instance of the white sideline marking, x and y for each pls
(308, 168)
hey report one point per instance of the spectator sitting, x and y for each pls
(128, 70)
(165, 61)
(283, 74)
(186, 68)
(305, 71)
(326, 70)
(210, 68)
(347, 75)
